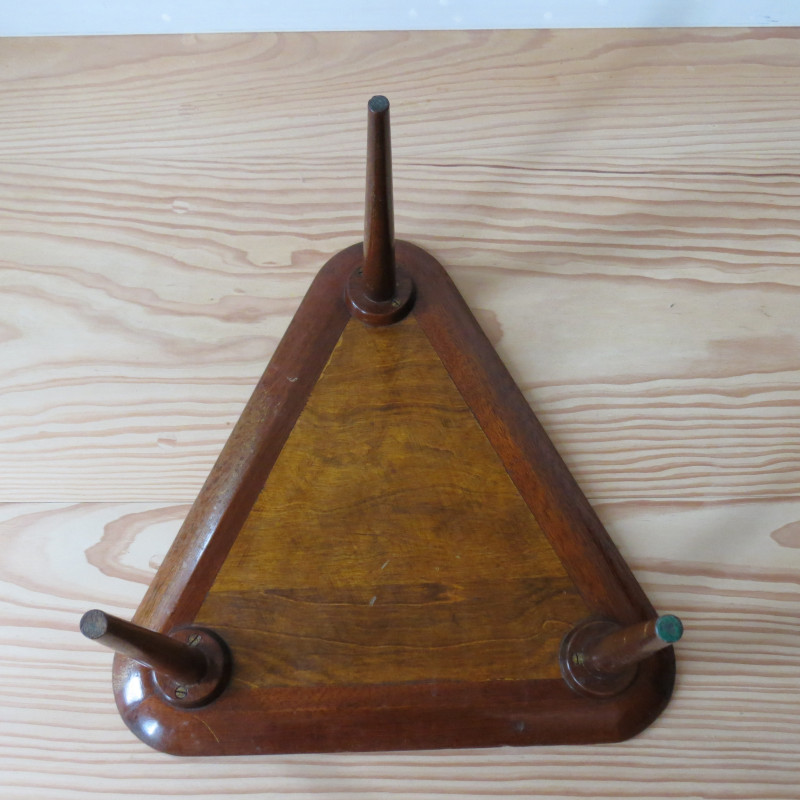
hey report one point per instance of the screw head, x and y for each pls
(181, 692)
(194, 640)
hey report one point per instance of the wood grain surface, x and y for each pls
(621, 210)
(389, 544)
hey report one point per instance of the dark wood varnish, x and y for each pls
(379, 292)
(161, 653)
(379, 263)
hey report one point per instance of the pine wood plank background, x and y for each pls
(621, 208)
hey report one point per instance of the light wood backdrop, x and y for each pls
(622, 209)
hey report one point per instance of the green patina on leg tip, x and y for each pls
(669, 628)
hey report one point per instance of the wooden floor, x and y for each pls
(622, 209)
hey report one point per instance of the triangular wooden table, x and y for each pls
(389, 552)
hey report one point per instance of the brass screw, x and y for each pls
(181, 692)
(194, 640)
(395, 303)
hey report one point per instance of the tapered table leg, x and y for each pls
(191, 666)
(379, 292)
(599, 657)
